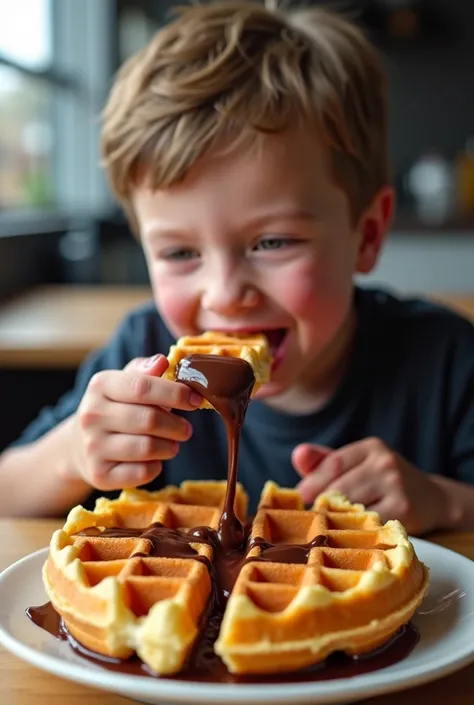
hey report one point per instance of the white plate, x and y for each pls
(445, 621)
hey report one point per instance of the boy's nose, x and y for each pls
(229, 298)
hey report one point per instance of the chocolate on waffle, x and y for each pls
(254, 349)
(129, 577)
(314, 582)
(137, 573)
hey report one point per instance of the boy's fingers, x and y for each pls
(360, 485)
(306, 457)
(155, 365)
(141, 419)
(123, 475)
(384, 508)
(354, 454)
(122, 447)
(320, 467)
(334, 464)
(317, 481)
(133, 387)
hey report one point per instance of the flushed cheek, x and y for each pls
(316, 297)
(175, 304)
(298, 295)
(304, 285)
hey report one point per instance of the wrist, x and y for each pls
(68, 467)
(454, 502)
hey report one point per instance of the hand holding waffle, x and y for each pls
(123, 428)
(371, 473)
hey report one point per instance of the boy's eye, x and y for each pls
(273, 243)
(180, 255)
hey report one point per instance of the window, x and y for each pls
(25, 32)
(26, 105)
(56, 64)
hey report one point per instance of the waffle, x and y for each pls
(350, 594)
(358, 584)
(252, 348)
(116, 603)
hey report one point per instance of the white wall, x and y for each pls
(420, 262)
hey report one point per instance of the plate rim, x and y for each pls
(334, 690)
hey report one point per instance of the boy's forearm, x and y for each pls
(459, 504)
(40, 479)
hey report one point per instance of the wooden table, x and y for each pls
(21, 684)
(57, 326)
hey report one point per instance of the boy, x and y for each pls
(248, 148)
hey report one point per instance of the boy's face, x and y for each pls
(258, 241)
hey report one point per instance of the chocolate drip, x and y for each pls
(176, 543)
(226, 383)
(46, 617)
(164, 542)
(284, 553)
(205, 666)
(226, 565)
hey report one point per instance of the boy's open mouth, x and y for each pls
(276, 341)
(277, 338)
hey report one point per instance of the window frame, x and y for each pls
(83, 35)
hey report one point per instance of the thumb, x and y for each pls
(155, 365)
(306, 457)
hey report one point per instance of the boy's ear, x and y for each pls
(373, 226)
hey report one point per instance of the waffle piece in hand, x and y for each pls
(252, 348)
(349, 586)
(118, 587)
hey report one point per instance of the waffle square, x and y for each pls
(113, 596)
(311, 582)
(350, 588)
(252, 348)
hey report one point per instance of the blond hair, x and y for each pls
(231, 71)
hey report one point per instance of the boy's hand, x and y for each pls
(371, 473)
(123, 426)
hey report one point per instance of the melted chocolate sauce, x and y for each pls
(174, 543)
(205, 666)
(226, 383)
(284, 553)
(162, 541)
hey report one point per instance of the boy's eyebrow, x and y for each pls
(164, 232)
(167, 231)
(287, 214)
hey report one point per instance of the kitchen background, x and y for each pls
(59, 225)
(57, 58)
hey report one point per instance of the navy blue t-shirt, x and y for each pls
(410, 382)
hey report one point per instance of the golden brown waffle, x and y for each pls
(115, 603)
(351, 593)
(252, 348)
